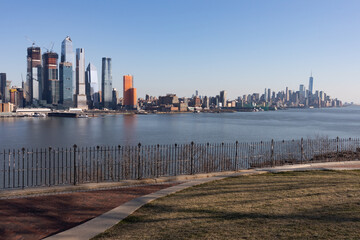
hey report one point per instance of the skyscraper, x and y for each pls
(80, 96)
(2, 87)
(106, 83)
(302, 91)
(127, 85)
(68, 55)
(66, 84)
(33, 75)
(115, 97)
(311, 82)
(287, 95)
(92, 88)
(223, 94)
(51, 90)
(7, 91)
(129, 92)
(269, 95)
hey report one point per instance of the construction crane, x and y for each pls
(32, 42)
(50, 48)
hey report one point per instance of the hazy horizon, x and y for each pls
(183, 46)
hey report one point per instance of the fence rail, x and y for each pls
(24, 168)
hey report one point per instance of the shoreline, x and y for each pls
(97, 113)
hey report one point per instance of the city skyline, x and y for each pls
(58, 90)
(236, 50)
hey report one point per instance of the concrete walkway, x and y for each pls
(100, 224)
(350, 165)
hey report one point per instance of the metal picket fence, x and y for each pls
(24, 168)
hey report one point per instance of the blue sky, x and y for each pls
(186, 45)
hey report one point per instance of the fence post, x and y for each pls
(236, 155)
(337, 148)
(75, 146)
(192, 158)
(49, 166)
(175, 161)
(302, 151)
(272, 153)
(139, 162)
(23, 163)
(119, 163)
(97, 163)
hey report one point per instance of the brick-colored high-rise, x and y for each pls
(129, 92)
(51, 90)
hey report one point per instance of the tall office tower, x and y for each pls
(287, 97)
(245, 98)
(33, 75)
(68, 55)
(106, 83)
(222, 99)
(66, 84)
(92, 88)
(265, 95)
(115, 97)
(206, 103)
(51, 89)
(311, 82)
(7, 91)
(2, 86)
(301, 88)
(291, 97)
(269, 95)
(80, 96)
(129, 94)
(127, 84)
(133, 98)
(302, 91)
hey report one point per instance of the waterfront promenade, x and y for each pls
(35, 215)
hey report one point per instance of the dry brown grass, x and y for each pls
(292, 205)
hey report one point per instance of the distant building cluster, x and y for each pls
(269, 100)
(290, 98)
(68, 84)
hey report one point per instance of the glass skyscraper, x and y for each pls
(3, 87)
(80, 97)
(311, 83)
(66, 84)
(106, 83)
(68, 55)
(223, 98)
(92, 87)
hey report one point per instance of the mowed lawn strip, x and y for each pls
(291, 205)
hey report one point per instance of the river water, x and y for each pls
(180, 128)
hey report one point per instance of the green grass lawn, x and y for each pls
(291, 205)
